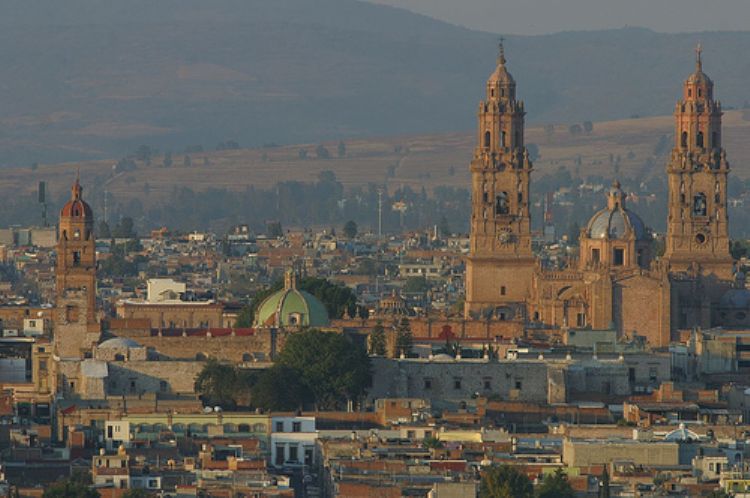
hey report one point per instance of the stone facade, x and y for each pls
(617, 281)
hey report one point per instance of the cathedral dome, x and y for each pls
(76, 207)
(291, 307)
(615, 221)
(501, 75)
(735, 299)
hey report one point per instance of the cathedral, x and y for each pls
(617, 282)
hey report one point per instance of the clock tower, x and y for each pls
(500, 264)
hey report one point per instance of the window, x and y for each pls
(502, 290)
(699, 139)
(119, 357)
(618, 257)
(42, 364)
(652, 374)
(518, 385)
(487, 138)
(296, 426)
(595, 257)
(293, 457)
(684, 139)
(699, 204)
(279, 426)
(279, 455)
(76, 258)
(487, 383)
(162, 386)
(411, 434)
(456, 383)
(501, 203)
(502, 139)
(427, 384)
(581, 320)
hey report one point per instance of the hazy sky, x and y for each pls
(547, 16)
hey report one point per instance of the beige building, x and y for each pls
(617, 280)
(585, 452)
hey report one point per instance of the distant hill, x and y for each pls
(85, 79)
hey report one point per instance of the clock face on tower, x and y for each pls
(505, 237)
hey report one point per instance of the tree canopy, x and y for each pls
(314, 368)
(76, 486)
(505, 481)
(556, 485)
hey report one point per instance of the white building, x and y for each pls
(164, 289)
(116, 433)
(293, 441)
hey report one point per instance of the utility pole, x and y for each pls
(380, 213)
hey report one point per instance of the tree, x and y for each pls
(274, 229)
(136, 493)
(574, 231)
(588, 126)
(445, 229)
(416, 284)
(350, 229)
(102, 230)
(302, 153)
(505, 482)
(186, 162)
(321, 152)
(76, 486)
(217, 383)
(377, 339)
(245, 317)
(124, 229)
(549, 130)
(342, 149)
(604, 484)
(279, 389)
(556, 485)
(575, 129)
(403, 337)
(329, 367)
(716, 493)
(167, 159)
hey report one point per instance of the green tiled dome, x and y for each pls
(291, 307)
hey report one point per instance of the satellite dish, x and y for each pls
(217, 408)
(207, 409)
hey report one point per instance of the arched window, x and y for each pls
(684, 139)
(699, 139)
(501, 203)
(487, 138)
(502, 139)
(699, 204)
(119, 357)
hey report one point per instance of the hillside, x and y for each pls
(84, 79)
(415, 161)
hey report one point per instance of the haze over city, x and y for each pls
(435, 249)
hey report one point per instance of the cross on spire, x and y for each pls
(501, 52)
(698, 54)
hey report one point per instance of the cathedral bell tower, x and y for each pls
(697, 224)
(76, 327)
(500, 263)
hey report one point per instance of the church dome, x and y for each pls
(615, 221)
(735, 299)
(76, 207)
(501, 74)
(291, 307)
(119, 343)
